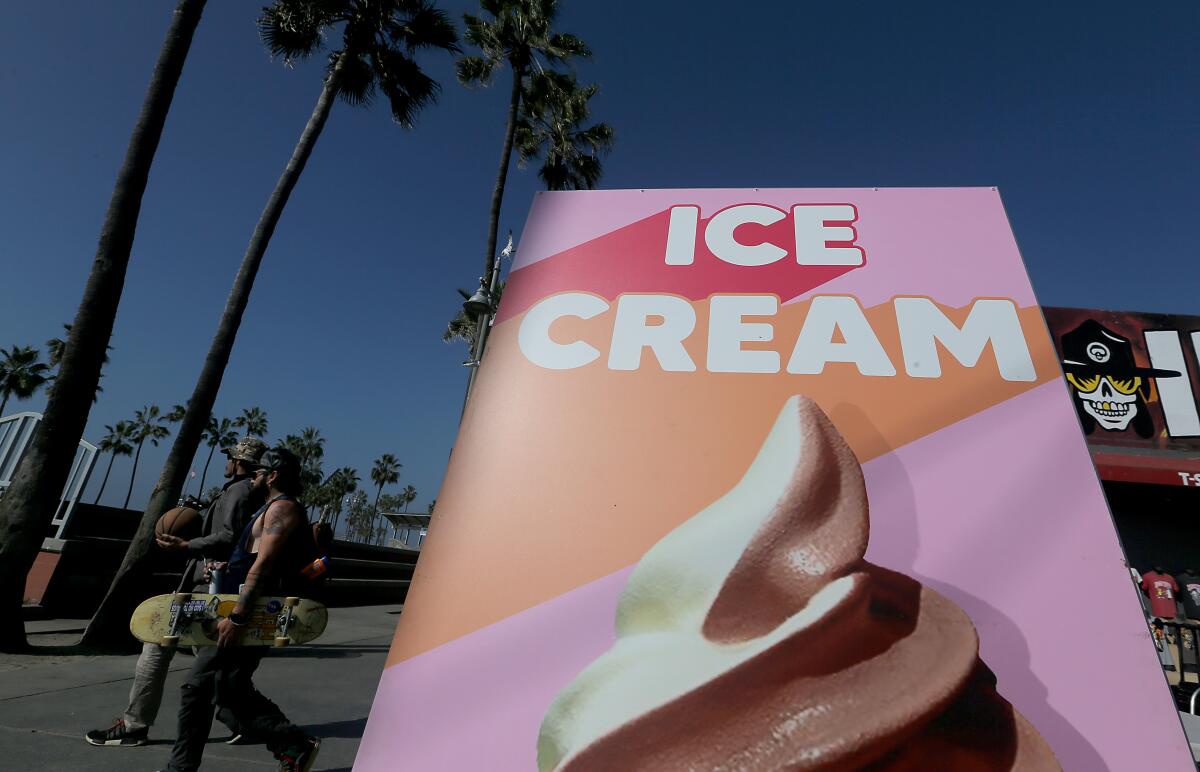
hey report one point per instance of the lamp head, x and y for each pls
(478, 304)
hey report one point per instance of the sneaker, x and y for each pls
(299, 758)
(117, 734)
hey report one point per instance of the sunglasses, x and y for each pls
(1089, 383)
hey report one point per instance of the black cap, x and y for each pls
(1093, 348)
(280, 460)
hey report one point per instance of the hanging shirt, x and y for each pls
(1189, 593)
(1187, 648)
(1161, 589)
(1164, 654)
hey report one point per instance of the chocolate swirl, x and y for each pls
(755, 637)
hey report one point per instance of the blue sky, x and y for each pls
(1087, 122)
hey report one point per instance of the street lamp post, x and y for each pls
(482, 308)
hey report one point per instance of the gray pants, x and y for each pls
(149, 678)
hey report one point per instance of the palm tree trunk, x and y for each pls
(510, 128)
(375, 508)
(111, 458)
(3, 402)
(204, 474)
(111, 621)
(31, 500)
(136, 457)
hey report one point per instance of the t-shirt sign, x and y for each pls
(1161, 588)
(1189, 593)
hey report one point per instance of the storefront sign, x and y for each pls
(746, 483)
(1134, 377)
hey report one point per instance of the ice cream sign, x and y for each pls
(770, 458)
(834, 329)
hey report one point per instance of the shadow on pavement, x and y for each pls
(327, 652)
(351, 729)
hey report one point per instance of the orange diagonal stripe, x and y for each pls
(562, 477)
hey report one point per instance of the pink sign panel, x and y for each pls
(771, 479)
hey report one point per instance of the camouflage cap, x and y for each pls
(248, 449)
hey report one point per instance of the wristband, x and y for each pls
(238, 620)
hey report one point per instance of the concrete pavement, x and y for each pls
(50, 698)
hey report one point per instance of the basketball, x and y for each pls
(183, 522)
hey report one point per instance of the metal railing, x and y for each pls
(16, 431)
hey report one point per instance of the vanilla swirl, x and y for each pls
(755, 637)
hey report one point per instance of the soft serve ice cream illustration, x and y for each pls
(755, 637)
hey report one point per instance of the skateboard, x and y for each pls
(190, 619)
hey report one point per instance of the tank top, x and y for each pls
(297, 553)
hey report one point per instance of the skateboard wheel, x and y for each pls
(281, 640)
(181, 597)
(170, 641)
(291, 601)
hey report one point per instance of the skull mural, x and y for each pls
(1109, 387)
(1112, 403)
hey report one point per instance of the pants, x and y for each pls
(146, 693)
(223, 677)
(150, 674)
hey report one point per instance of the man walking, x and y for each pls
(224, 520)
(267, 560)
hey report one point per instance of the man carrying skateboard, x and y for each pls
(267, 560)
(224, 520)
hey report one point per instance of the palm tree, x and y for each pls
(57, 347)
(517, 34)
(30, 502)
(551, 127)
(327, 495)
(313, 442)
(115, 443)
(253, 420)
(22, 373)
(147, 424)
(217, 434)
(359, 524)
(309, 447)
(409, 494)
(432, 504)
(380, 40)
(341, 483)
(385, 471)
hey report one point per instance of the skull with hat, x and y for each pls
(1110, 387)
